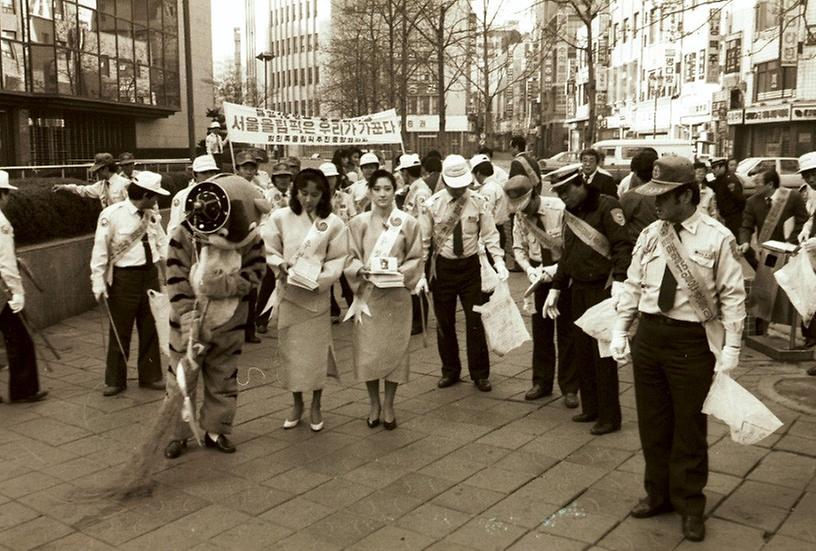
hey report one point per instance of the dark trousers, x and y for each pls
(128, 302)
(252, 301)
(460, 278)
(673, 367)
(416, 321)
(597, 377)
(809, 331)
(265, 291)
(22, 360)
(544, 347)
(733, 221)
(348, 296)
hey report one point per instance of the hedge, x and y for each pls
(39, 214)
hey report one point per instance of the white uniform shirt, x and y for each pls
(9, 271)
(110, 191)
(177, 210)
(214, 143)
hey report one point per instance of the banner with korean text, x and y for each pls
(255, 125)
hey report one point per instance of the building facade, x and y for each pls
(98, 75)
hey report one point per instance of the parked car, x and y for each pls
(619, 153)
(787, 168)
(557, 161)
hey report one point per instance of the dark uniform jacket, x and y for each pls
(580, 262)
(757, 208)
(605, 183)
(728, 202)
(516, 168)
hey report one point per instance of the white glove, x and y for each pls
(422, 285)
(809, 244)
(729, 359)
(550, 309)
(17, 302)
(619, 345)
(617, 291)
(501, 272)
(100, 292)
(533, 274)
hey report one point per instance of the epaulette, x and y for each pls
(721, 229)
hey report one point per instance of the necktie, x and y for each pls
(546, 254)
(668, 286)
(458, 246)
(146, 244)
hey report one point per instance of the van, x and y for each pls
(619, 153)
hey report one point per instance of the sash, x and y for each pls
(552, 243)
(588, 235)
(535, 179)
(385, 242)
(445, 229)
(699, 296)
(774, 215)
(313, 239)
(410, 198)
(121, 248)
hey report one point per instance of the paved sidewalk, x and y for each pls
(464, 469)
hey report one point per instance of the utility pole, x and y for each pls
(188, 77)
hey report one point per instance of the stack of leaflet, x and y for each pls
(384, 273)
(304, 272)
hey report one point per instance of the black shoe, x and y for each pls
(335, 319)
(112, 390)
(34, 398)
(584, 418)
(262, 329)
(603, 428)
(390, 425)
(447, 380)
(254, 339)
(693, 527)
(416, 331)
(221, 443)
(175, 448)
(155, 385)
(373, 424)
(646, 508)
(536, 392)
(571, 400)
(483, 385)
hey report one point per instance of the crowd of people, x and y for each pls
(667, 252)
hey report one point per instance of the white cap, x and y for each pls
(214, 125)
(328, 169)
(369, 159)
(478, 159)
(807, 162)
(408, 160)
(150, 181)
(4, 181)
(204, 163)
(456, 172)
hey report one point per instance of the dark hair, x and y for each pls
(354, 149)
(381, 173)
(699, 164)
(414, 171)
(433, 153)
(486, 151)
(693, 187)
(771, 176)
(518, 142)
(432, 164)
(643, 163)
(396, 161)
(137, 193)
(324, 206)
(592, 152)
(337, 156)
(483, 169)
(651, 150)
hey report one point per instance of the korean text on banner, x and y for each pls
(264, 126)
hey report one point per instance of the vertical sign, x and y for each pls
(789, 39)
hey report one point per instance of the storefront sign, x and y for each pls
(789, 41)
(668, 67)
(430, 123)
(735, 116)
(774, 113)
(803, 112)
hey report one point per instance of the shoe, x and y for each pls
(34, 398)
(416, 331)
(646, 508)
(571, 400)
(483, 385)
(112, 390)
(335, 320)
(221, 443)
(693, 527)
(262, 329)
(156, 385)
(447, 380)
(254, 339)
(584, 418)
(390, 425)
(287, 424)
(175, 448)
(316, 427)
(536, 392)
(603, 428)
(812, 371)
(373, 424)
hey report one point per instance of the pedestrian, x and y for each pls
(359, 189)
(708, 199)
(294, 165)
(639, 210)
(807, 239)
(732, 166)
(626, 183)
(728, 191)
(597, 248)
(343, 207)
(109, 189)
(538, 245)
(491, 190)
(499, 174)
(262, 177)
(307, 248)
(680, 335)
(431, 169)
(353, 161)
(454, 221)
(523, 163)
(128, 244)
(204, 168)
(24, 384)
(215, 143)
(593, 175)
(127, 165)
(382, 335)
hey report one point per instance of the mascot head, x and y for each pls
(226, 210)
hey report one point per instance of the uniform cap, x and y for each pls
(563, 176)
(519, 183)
(4, 181)
(150, 181)
(126, 158)
(668, 173)
(281, 169)
(408, 160)
(717, 160)
(369, 159)
(807, 162)
(102, 160)
(328, 169)
(478, 159)
(244, 157)
(456, 172)
(214, 125)
(204, 163)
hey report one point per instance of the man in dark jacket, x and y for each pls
(590, 162)
(524, 164)
(638, 209)
(728, 190)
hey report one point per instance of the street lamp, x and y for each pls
(266, 57)
(656, 80)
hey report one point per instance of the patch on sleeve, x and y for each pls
(104, 222)
(176, 202)
(732, 244)
(617, 216)
(6, 229)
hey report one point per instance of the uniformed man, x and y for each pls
(24, 384)
(294, 165)
(523, 163)
(728, 191)
(214, 143)
(344, 207)
(597, 248)
(109, 189)
(454, 221)
(538, 245)
(686, 283)
(359, 189)
(127, 164)
(263, 179)
(491, 190)
(708, 200)
(129, 241)
(204, 168)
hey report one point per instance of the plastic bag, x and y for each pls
(504, 326)
(748, 418)
(798, 280)
(160, 308)
(489, 277)
(597, 322)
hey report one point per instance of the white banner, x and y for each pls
(255, 125)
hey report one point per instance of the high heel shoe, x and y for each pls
(287, 424)
(316, 427)
(390, 425)
(373, 424)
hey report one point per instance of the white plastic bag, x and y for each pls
(798, 280)
(504, 326)
(489, 277)
(597, 322)
(748, 418)
(160, 308)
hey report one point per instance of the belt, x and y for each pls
(663, 320)
(460, 259)
(141, 267)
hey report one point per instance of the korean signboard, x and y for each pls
(804, 112)
(789, 41)
(734, 116)
(766, 114)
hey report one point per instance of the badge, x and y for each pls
(707, 254)
(396, 221)
(617, 216)
(103, 222)
(655, 172)
(5, 229)
(176, 202)
(322, 226)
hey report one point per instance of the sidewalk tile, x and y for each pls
(486, 534)
(785, 469)
(468, 499)
(784, 543)
(576, 522)
(721, 534)
(301, 541)
(729, 457)
(76, 542)
(338, 493)
(251, 535)
(296, 481)
(499, 480)
(33, 533)
(420, 486)
(208, 522)
(256, 500)
(433, 520)
(384, 506)
(343, 528)
(13, 513)
(522, 510)
(661, 532)
(297, 513)
(800, 523)
(538, 541)
(28, 484)
(599, 456)
(393, 538)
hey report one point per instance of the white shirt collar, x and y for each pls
(690, 224)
